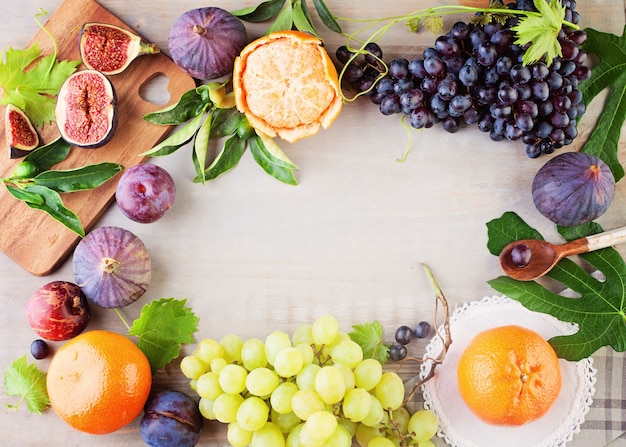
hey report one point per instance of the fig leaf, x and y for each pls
(162, 327)
(610, 73)
(600, 308)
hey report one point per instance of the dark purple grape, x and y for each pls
(570, 49)
(512, 132)
(459, 105)
(416, 68)
(438, 105)
(353, 73)
(460, 31)
(502, 39)
(540, 90)
(559, 119)
(476, 36)
(390, 104)
(504, 65)
(434, 66)
(404, 335)
(544, 129)
(397, 352)
(524, 122)
(528, 107)
(422, 329)
(421, 118)
(171, 418)
(446, 45)
(446, 88)
(399, 68)
(402, 86)
(39, 349)
(533, 150)
(521, 255)
(374, 53)
(385, 86)
(500, 110)
(343, 54)
(507, 94)
(145, 192)
(451, 124)
(554, 80)
(540, 71)
(412, 99)
(486, 53)
(468, 75)
(520, 74)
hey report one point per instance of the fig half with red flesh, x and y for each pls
(86, 109)
(21, 136)
(109, 48)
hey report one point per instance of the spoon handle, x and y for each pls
(606, 239)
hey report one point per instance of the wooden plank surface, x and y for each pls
(30, 237)
(251, 255)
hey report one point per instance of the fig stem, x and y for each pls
(199, 29)
(119, 314)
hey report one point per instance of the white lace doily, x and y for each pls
(459, 427)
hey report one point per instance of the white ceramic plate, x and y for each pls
(460, 427)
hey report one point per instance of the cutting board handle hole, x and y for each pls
(154, 90)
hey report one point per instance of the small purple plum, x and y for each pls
(171, 418)
(145, 192)
(58, 311)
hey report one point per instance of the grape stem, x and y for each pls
(446, 337)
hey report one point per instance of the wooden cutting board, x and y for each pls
(32, 238)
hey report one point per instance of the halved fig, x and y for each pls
(21, 136)
(86, 109)
(109, 48)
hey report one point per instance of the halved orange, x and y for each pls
(286, 85)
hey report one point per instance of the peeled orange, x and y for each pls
(99, 381)
(286, 85)
(509, 375)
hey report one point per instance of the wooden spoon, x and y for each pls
(529, 259)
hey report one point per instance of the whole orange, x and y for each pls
(99, 381)
(286, 85)
(509, 375)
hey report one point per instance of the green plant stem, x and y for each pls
(119, 314)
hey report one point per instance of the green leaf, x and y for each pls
(189, 105)
(541, 32)
(228, 158)
(600, 309)
(162, 327)
(270, 164)
(78, 179)
(284, 19)
(177, 139)
(260, 13)
(370, 337)
(25, 196)
(327, 17)
(25, 380)
(53, 205)
(50, 154)
(610, 73)
(31, 82)
(301, 19)
(201, 147)
(225, 122)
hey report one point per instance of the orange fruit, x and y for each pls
(509, 375)
(99, 381)
(286, 85)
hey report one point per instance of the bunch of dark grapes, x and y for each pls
(475, 74)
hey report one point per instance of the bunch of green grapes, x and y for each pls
(312, 389)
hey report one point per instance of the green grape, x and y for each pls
(306, 402)
(325, 329)
(252, 414)
(268, 436)
(293, 438)
(303, 334)
(253, 354)
(364, 434)
(217, 364)
(286, 422)
(232, 378)
(368, 373)
(262, 381)
(237, 436)
(376, 413)
(356, 404)
(380, 441)
(281, 397)
(330, 384)
(348, 425)
(390, 391)
(208, 385)
(193, 367)
(193, 384)
(423, 425)
(232, 345)
(318, 428)
(427, 443)
(274, 343)
(401, 417)
(308, 356)
(206, 408)
(209, 349)
(225, 407)
(327, 349)
(348, 375)
(288, 362)
(348, 353)
(341, 437)
(306, 377)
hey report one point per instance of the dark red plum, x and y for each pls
(58, 311)
(145, 192)
(171, 418)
